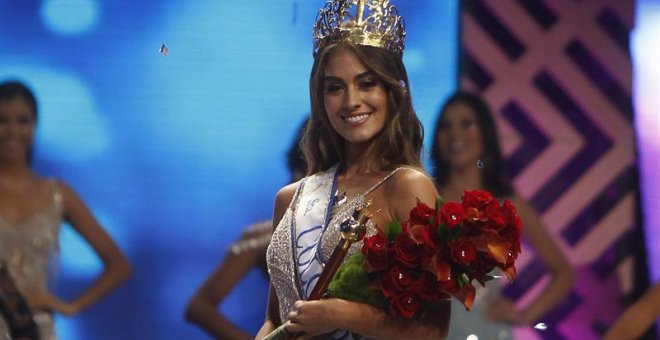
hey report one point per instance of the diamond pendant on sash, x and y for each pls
(340, 198)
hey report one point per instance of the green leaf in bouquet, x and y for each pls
(442, 231)
(453, 233)
(352, 283)
(463, 279)
(439, 202)
(393, 230)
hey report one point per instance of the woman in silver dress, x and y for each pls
(362, 143)
(31, 211)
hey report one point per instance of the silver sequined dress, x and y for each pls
(281, 253)
(27, 248)
(473, 324)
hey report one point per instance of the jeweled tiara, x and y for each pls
(362, 22)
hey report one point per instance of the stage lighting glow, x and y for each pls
(70, 16)
(67, 328)
(414, 60)
(77, 257)
(645, 50)
(69, 116)
(647, 73)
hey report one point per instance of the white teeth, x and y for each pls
(356, 119)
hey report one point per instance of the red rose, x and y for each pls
(407, 252)
(376, 253)
(513, 230)
(385, 284)
(510, 215)
(421, 214)
(428, 288)
(494, 214)
(451, 214)
(512, 237)
(394, 281)
(476, 199)
(400, 278)
(483, 265)
(463, 251)
(405, 304)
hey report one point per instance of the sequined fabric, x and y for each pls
(27, 248)
(280, 254)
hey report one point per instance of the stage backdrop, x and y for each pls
(558, 75)
(177, 150)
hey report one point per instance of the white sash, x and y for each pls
(316, 199)
(312, 216)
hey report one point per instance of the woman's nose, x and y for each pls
(13, 128)
(352, 99)
(454, 132)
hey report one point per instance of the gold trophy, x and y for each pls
(352, 230)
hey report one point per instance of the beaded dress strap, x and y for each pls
(58, 199)
(384, 179)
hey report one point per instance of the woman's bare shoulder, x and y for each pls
(286, 193)
(411, 182)
(283, 199)
(405, 188)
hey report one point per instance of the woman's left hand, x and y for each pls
(44, 300)
(503, 310)
(311, 318)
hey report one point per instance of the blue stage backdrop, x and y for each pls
(176, 152)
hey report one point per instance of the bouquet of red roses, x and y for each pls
(436, 253)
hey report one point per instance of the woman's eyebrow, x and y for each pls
(357, 77)
(331, 78)
(364, 74)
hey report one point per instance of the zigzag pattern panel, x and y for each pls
(558, 76)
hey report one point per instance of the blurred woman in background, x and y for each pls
(466, 156)
(31, 211)
(247, 253)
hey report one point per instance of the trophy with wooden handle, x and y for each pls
(352, 230)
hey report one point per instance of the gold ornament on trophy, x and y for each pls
(362, 22)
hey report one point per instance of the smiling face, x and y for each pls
(355, 99)
(459, 137)
(17, 121)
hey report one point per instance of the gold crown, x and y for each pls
(362, 22)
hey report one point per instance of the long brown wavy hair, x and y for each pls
(400, 141)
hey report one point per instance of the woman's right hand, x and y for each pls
(314, 317)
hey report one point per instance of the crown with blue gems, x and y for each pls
(362, 22)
